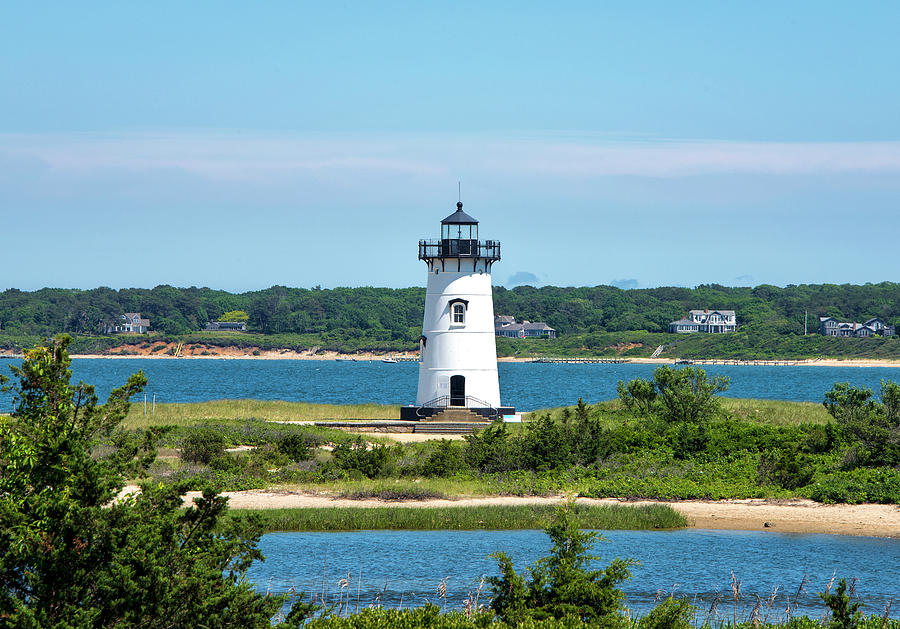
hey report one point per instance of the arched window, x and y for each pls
(459, 313)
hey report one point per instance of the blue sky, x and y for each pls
(238, 146)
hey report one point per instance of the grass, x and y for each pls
(603, 517)
(394, 494)
(771, 412)
(275, 411)
(456, 486)
(776, 412)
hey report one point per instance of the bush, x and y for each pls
(202, 445)
(443, 459)
(295, 447)
(370, 460)
(785, 469)
(672, 613)
(491, 449)
(844, 613)
(878, 485)
(561, 585)
(687, 395)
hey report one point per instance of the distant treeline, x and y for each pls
(397, 313)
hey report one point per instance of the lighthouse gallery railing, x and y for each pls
(455, 248)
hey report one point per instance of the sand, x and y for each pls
(782, 516)
(202, 351)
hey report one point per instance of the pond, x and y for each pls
(406, 567)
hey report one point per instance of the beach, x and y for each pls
(201, 351)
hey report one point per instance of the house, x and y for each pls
(131, 322)
(230, 326)
(829, 326)
(505, 325)
(709, 321)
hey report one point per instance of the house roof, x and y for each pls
(707, 311)
(540, 325)
(683, 322)
(459, 217)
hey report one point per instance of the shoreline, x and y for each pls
(777, 516)
(413, 357)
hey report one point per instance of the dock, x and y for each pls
(720, 361)
(578, 361)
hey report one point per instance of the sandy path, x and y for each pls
(794, 516)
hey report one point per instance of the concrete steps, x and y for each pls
(455, 415)
(448, 428)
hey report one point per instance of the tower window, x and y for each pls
(459, 313)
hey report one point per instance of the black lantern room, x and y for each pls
(459, 239)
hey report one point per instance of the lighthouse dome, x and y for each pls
(459, 217)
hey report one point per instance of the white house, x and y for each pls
(131, 322)
(830, 326)
(504, 325)
(709, 321)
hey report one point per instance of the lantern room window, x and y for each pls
(459, 231)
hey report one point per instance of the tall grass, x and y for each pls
(196, 412)
(776, 412)
(603, 517)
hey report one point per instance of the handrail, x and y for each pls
(443, 401)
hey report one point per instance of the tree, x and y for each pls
(688, 395)
(562, 584)
(234, 315)
(638, 394)
(845, 614)
(72, 554)
(871, 427)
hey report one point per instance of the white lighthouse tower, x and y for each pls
(458, 368)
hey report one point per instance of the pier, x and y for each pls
(720, 361)
(579, 361)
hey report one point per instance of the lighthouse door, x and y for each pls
(457, 390)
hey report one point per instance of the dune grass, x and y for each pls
(603, 517)
(776, 412)
(196, 412)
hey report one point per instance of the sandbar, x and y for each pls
(778, 516)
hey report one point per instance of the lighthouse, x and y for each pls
(458, 353)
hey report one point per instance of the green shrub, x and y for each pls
(785, 468)
(491, 449)
(878, 485)
(202, 445)
(443, 459)
(561, 585)
(844, 613)
(370, 460)
(295, 447)
(672, 613)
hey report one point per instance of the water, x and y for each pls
(527, 386)
(695, 563)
